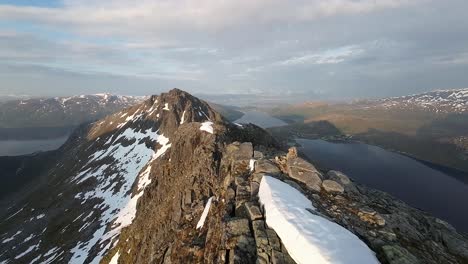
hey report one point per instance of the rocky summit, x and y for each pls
(169, 180)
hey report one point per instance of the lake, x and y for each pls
(439, 192)
(22, 147)
(260, 119)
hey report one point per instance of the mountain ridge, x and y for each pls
(131, 188)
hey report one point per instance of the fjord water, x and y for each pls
(439, 192)
(22, 147)
(260, 119)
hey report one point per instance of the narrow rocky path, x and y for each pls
(256, 242)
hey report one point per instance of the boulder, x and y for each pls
(303, 171)
(332, 186)
(267, 167)
(338, 177)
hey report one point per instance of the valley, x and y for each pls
(428, 127)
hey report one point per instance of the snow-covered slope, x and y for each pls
(308, 237)
(93, 191)
(440, 101)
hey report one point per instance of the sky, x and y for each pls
(321, 49)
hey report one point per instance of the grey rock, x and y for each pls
(273, 239)
(254, 187)
(258, 155)
(239, 180)
(338, 177)
(278, 257)
(237, 227)
(456, 245)
(244, 251)
(245, 151)
(332, 186)
(397, 255)
(253, 211)
(260, 235)
(257, 177)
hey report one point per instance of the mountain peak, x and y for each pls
(165, 113)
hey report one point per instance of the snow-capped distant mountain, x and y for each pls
(61, 111)
(440, 101)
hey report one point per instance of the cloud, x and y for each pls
(146, 15)
(332, 56)
(245, 45)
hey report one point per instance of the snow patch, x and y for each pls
(31, 248)
(252, 165)
(115, 258)
(182, 119)
(308, 238)
(166, 107)
(201, 222)
(207, 126)
(11, 238)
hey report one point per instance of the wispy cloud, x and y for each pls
(331, 56)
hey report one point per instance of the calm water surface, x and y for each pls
(439, 192)
(260, 119)
(21, 147)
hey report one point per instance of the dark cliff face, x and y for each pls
(133, 186)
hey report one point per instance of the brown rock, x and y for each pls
(292, 153)
(304, 172)
(371, 217)
(266, 166)
(332, 186)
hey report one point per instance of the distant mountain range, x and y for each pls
(440, 101)
(41, 118)
(61, 111)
